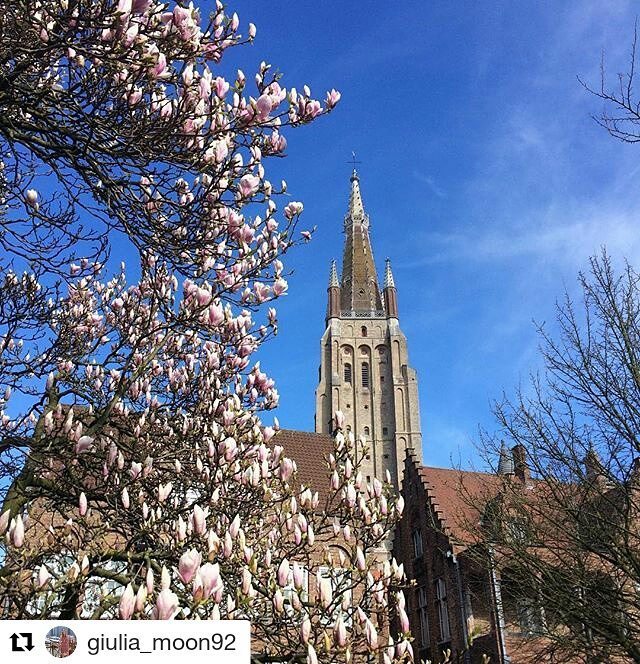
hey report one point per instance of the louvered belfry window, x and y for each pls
(365, 374)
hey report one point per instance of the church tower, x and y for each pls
(364, 368)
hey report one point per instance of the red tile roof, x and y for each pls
(309, 451)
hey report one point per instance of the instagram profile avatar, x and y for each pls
(61, 641)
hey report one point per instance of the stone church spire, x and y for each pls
(360, 291)
(364, 367)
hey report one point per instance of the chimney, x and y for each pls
(521, 467)
(594, 473)
(505, 461)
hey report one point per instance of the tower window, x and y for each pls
(347, 373)
(365, 374)
(366, 431)
(363, 329)
(385, 431)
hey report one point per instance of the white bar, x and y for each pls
(127, 641)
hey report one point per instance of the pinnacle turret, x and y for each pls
(388, 275)
(333, 276)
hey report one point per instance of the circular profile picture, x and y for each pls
(61, 641)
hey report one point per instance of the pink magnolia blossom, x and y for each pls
(333, 97)
(248, 185)
(167, 605)
(32, 197)
(292, 209)
(208, 579)
(83, 444)
(188, 565)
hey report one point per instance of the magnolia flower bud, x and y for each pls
(141, 598)
(312, 658)
(82, 504)
(340, 633)
(4, 521)
(371, 634)
(43, 576)
(165, 578)
(283, 573)
(360, 560)
(127, 603)
(199, 520)
(305, 630)
(17, 532)
(32, 197)
(149, 581)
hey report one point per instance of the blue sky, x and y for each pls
(487, 182)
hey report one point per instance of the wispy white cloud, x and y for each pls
(431, 183)
(568, 241)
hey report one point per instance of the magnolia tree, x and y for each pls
(139, 480)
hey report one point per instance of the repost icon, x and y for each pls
(131, 641)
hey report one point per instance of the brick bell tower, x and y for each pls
(364, 367)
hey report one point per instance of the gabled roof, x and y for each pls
(458, 498)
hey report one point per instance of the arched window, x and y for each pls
(347, 372)
(365, 374)
(363, 329)
(366, 431)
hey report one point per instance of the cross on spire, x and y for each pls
(354, 161)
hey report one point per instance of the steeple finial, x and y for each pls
(354, 161)
(333, 276)
(356, 212)
(388, 275)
